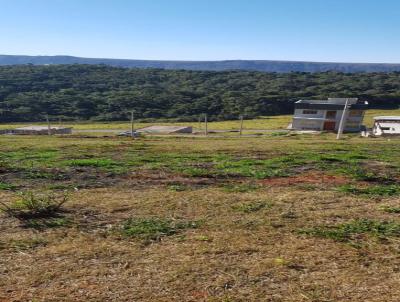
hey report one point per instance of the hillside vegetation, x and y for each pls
(98, 92)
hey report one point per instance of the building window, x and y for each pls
(331, 114)
(355, 113)
(310, 111)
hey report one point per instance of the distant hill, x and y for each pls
(249, 65)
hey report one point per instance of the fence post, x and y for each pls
(48, 125)
(206, 125)
(241, 125)
(132, 124)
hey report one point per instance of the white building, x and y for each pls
(326, 114)
(386, 125)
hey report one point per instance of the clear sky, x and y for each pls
(310, 30)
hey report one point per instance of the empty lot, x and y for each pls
(275, 218)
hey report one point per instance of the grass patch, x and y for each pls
(346, 232)
(378, 190)
(251, 207)
(241, 188)
(178, 187)
(92, 162)
(6, 186)
(154, 228)
(390, 209)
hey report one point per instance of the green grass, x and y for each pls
(6, 186)
(178, 187)
(390, 209)
(346, 232)
(154, 228)
(377, 190)
(91, 162)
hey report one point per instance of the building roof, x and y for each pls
(335, 101)
(387, 118)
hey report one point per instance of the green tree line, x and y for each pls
(99, 92)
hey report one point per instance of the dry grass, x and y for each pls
(233, 254)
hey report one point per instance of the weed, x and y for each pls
(345, 232)
(154, 228)
(31, 205)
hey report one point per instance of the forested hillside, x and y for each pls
(101, 92)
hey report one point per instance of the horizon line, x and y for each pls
(191, 60)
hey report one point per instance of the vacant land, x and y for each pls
(274, 218)
(263, 123)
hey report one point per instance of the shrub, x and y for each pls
(31, 205)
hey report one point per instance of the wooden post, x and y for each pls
(241, 125)
(342, 120)
(132, 124)
(199, 123)
(48, 125)
(206, 126)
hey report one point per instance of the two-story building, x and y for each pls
(325, 115)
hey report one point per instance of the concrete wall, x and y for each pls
(40, 132)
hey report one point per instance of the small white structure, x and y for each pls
(386, 125)
(325, 115)
(166, 129)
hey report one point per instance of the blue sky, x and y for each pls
(310, 30)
